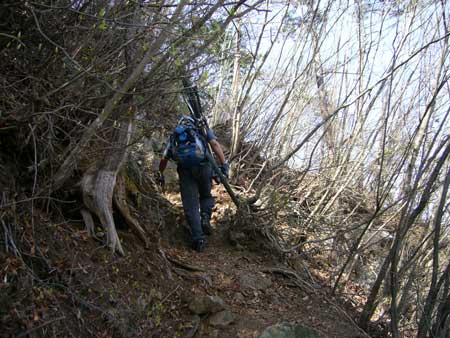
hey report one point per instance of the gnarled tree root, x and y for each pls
(98, 190)
(120, 199)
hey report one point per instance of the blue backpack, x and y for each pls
(188, 147)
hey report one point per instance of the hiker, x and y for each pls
(188, 147)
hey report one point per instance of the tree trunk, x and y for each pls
(235, 94)
(98, 183)
(425, 320)
(98, 189)
(405, 225)
(442, 322)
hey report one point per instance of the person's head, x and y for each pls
(186, 121)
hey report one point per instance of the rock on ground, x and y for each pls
(254, 281)
(290, 330)
(221, 319)
(206, 304)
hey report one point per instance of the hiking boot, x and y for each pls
(206, 225)
(200, 245)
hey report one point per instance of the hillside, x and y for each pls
(65, 283)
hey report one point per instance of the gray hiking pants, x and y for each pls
(195, 187)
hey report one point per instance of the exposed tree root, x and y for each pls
(257, 227)
(120, 199)
(185, 265)
(88, 221)
(98, 190)
(294, 276)
(192, 276)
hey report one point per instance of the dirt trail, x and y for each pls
(259, 289)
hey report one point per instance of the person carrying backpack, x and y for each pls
(187, 147)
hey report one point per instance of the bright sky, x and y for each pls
(382, 35)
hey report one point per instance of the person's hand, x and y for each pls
(225, 169)
(160, 179)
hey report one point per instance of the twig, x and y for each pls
(40, 326)
(170, 294)
(69, 57)
(12, 37)
(194, 329)
(34, 182)
(35, 198)
(82, 302)
(337, 307)
(9, 238)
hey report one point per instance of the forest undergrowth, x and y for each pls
(59, 281)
